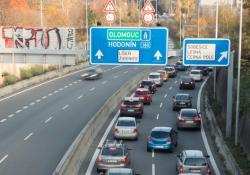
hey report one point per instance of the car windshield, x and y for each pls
(141, 92)
(189, 113)
(131, 102)
(92, 71)
(195, 72)
(154, 76)
(195, 162)
(146, 83)
(182, 97)
(112, 151)
(186, 79)
(159, 134)
(125, 123)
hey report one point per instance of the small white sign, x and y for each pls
(200, 52)
(129, 56)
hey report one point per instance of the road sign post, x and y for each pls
(128, 46)
(206, 52)
(148, 13)
(109, 9)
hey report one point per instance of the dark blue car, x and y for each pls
(162, 138)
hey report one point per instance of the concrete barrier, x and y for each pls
(7, 90)
(72, 160)
(213, 127)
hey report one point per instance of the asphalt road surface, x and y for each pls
(38, 125)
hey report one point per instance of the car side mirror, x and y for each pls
(207, 156)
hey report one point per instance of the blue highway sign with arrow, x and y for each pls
(128, 45)
(206, 52)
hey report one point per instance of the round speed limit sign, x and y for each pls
(148, 18)
(110, 17)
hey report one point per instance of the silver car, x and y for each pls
(120, 171)
(192, 161)
(188, 118)
(196, 75)
(112, 154)
(126, 128)
(156, 77)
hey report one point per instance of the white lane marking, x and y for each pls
(116, 67)
(44, 97)
(157, 117)
(66, 87)
(115, 76)
(165, 96)
(18, 111)
(54, 79)
(46, 121)
(203, 134)
(125, 72)
(65, 107)
(3, 159)
(104, 82)
(153, 154)
(38, 100)
(97, 151)
(79, 80)
(153, 169)
(50, 94)
(93, 88)
(11, 115)
(75, 82)
(28, 136)
(70, 84)
(55, 91)
(175, 81)
(3, 120)
(79, 97)
(170, 87)
(32, 103)
(161, 105)
(25, 107)
(60, 89)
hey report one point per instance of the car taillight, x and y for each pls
(124, 160)
(150, 139)
(135, 130)
(116, 130)
(169, 140)
(191, 82)
(181, 82)
(141, 86)
(189, 104)
(180, 118)
(99, 160)
(137, 106)
(181, 169)
(197, 119)
(123, 106)
(209, 170)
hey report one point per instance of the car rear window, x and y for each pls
(182, 97)
(154, 76)
(159, 134)
(195, 162)
(131, 102)
(125, 123)
(112, 151)
(120, 173)
(141, 92)
(189, 113)
(195, 72)
(186, 79)
(146, 82)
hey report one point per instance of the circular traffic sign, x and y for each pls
(110, 17)
(148, 17)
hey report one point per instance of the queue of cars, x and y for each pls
(114, 158)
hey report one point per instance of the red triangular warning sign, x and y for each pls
(148, 7)
(109, 6)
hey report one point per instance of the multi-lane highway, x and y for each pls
(160, 113)
(38, 125)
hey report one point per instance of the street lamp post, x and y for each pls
(86, 24)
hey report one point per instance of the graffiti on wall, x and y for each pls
(37, 38)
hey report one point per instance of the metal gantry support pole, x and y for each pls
(238, 79)
(229, 96)
(198, 22)
(180, 28)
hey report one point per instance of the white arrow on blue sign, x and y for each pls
(206, 52)
(129, 45)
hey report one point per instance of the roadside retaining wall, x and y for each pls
(72, 160)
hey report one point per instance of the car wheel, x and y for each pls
(149, 150)
(174, 109)
(171, 150)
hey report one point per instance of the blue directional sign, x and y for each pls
(206, 52)
(128, 45)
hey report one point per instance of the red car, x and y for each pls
(148, 84)
(144, 95)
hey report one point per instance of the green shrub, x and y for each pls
(37, 70)
(10, 79)
(25, 73)
(5, 74)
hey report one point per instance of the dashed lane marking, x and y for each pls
(11, 115)
(170, 87)
(18, 111)
(153, 169)
(104, 82)
(65, 107)
(157, 117)
(79, 97)
(38, 100)
(28, 136)
(165, 96)
(3, 120)
(161, 105)
(46, 121)
(25, 107)
(153, 154)
(92, 89)
(32, 103)
(44, 97)
(4, 158)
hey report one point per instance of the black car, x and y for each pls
(148, 84)
(92, 74)
(171, 70)
(187, 83)
(131, 106)
(179, 66)
(182, 101)
(204, 70)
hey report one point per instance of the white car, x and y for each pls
(156, 77)
(196, 75)
(126, 128)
